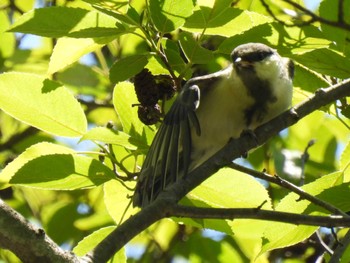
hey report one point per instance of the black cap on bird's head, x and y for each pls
(247, 54)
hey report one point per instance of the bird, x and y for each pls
(212, 109)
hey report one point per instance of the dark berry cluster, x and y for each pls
(149, 90)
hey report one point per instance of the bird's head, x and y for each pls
(259, 60)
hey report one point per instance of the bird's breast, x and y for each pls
(221, 117)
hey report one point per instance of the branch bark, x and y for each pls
(27, 241)
(161, 207)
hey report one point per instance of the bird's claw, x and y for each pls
(251, 134)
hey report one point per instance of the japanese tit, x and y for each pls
(210, 110)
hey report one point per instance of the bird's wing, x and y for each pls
(169, 155)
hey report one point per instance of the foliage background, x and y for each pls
(71, 140)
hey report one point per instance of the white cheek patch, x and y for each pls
(269, 68)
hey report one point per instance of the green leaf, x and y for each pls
(65, 21)
(221, 19)
(8, 41)
(297, 40)
(307, 80)
(217, 191)
(58, 217)
(123, 98)
(69, 50)
(120, 10)
(193, 51)
(62, 172)
(172, 52)
(89, 85)
(117, 200)
(168, 15)
(278, 235)
(91, 241)
(325, 61)
(329, 10)
(120, 6)
(96, 220)
(345, 162)
(42, 103)
(35, 151)
(110, 136)
(127, 67)
(215, 224)
(156, 66)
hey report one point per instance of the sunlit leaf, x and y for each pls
(120, 6)
(89, 242)
(110, 136)
(168, 15)
(70, 50)
(62, 172)
(221, 19)
(124, 97)
(8, 41)
(66, 21)
(329, 11)
(42, 103)
(193, 51)
(118, 201)
(35, 151)
(325, 61)
(217, 191)
(229, 189)
(345, 162)
(278, 235)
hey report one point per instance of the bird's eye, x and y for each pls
(257, 56)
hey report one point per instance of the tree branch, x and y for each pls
(339, 23)
(257, 213)
(28, 242)
(341, 248)
(234, 149)
(288, 185)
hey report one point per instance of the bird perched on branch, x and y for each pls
(212, 109)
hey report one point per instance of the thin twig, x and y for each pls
(315, 17)
(255, 213)
(285, 184)
(340, 23)
(323, 244)
(304, 158)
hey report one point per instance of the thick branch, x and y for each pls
(234, 149)
(130, 228)
(28, 242)
(256, 213)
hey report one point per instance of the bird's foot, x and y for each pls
(251, 134)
